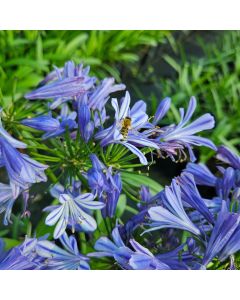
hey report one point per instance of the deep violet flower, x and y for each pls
(226, 155)
(225, 230)
(106, 185)
(227, 184)
(191, 196)
(53, 127)
(85, 124)
(44, 123)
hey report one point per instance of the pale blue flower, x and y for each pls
(134, 138)
(184, 134)
(68, 83)
(7, 199)
(137, 258)
(73, 211)
(22, 257)
(56, 258)
(174, 215)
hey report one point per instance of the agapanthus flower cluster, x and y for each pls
(91, 147)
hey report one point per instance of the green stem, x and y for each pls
(29, 229)
(106, 226)
(83, 242)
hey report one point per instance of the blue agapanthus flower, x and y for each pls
(224, 239)
(183, 134)
(192, 197)
(22, 257)
(187, 229)
(56, 258)
(202, 175)
(53, 127)
(21, 169)
(135, 258)
(45, 123)
(106, 185)
(227, 183)
(85, 124)
(173, 214)
(226, 155)
(41, 254)
(72, 83)
(7, 200)
(65, 83)
(74, 211)
(128, 135)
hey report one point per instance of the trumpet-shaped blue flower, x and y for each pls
(53, 127)
(86, 126)
(22, 257)
(22, 170)
(226, 185)
(70, 82)
(98, 97)
(7, 199)
(6, 136)
(174, 215)
(202, 175)
(232, 246)
(192, 197)
(41, 254)
(56, 258)
(137, 258)
(64, 88)
(143, 259)
(183, 134)
(44, 123)
(225, 229)
(134, 138)
(73, 211)
(161, 111)
(226, 155)
(106, 185)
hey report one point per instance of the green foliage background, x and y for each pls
(153, 64)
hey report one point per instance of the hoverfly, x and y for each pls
(126, 125)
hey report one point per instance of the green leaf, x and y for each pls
(137, 180)
(122, 201)
(10, 243)
(43, 229)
